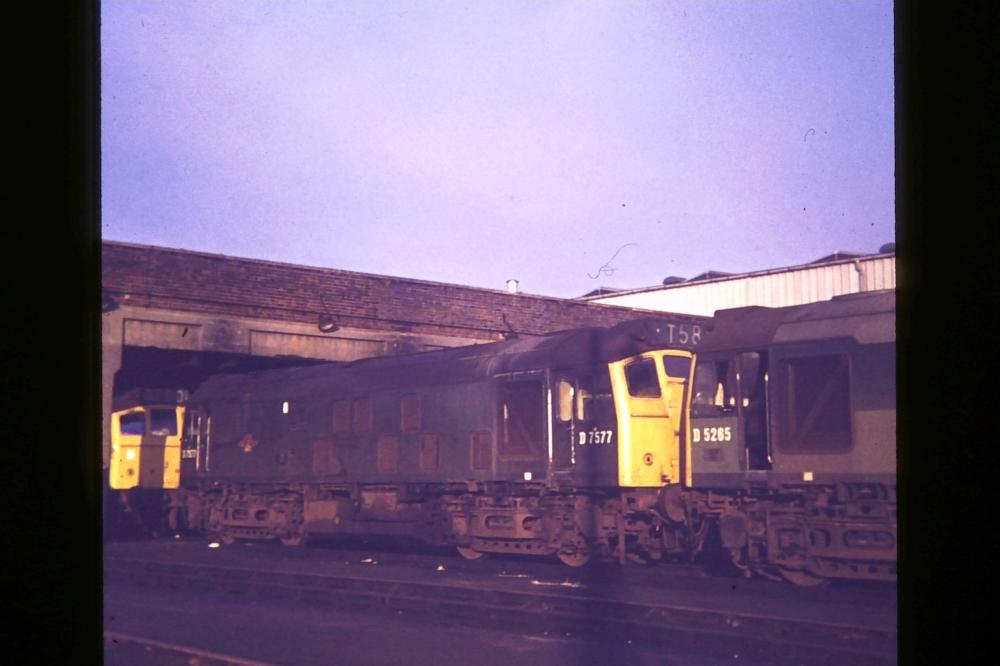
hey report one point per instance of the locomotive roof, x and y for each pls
(147, 396)
(867, 317)
(563, 349)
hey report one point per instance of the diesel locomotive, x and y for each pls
(549, 445)
(766, 434)
(792, 445)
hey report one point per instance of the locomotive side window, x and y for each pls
(163, 422)
(522, 417)
(480, 445)
(641, 379)
(363, 415)
(409, 412)
(387, 458)
(341, 417)
(814, 404)
(714, 388)
(133, 424)
(429, 447)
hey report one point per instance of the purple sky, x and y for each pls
(471, 142)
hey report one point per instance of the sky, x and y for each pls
(565, 144)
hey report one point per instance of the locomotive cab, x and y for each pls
(145, 447)
(729, 424)
(650, 398)
(622, 424)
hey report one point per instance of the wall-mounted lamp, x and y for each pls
(326, 323)
(108, 303)
(510, 333)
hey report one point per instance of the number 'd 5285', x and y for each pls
(712, 434)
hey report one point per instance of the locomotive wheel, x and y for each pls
(577, 558)
(470, 553)
(803, 578)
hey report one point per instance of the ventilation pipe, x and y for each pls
(861, 274)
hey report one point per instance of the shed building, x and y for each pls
(833, 275)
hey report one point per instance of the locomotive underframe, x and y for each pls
(804, 533)
(477, 518)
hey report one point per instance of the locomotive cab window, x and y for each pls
(594, 401)
(814, 404)
(163, 422)
(714, 388)
(522, 418)
(565, 395)
(677, 367)
(194, 425)
(133, 424)
(642, 379)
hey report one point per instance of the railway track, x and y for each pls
(529, 604)
(122, 648)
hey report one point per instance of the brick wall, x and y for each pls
(180, 280)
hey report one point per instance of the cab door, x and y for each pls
(128, 427)
(165, 429)
(193, 447)
(650, 405)
(563, 429)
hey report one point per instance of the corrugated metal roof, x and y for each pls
(839, 257)
(773, 288)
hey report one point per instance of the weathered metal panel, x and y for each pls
(880, 273)
(779, 288)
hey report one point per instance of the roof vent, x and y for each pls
(839, 255)
(601, 291)
(512, 286)
(887, 248)
(673, 279)
(708, 275)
